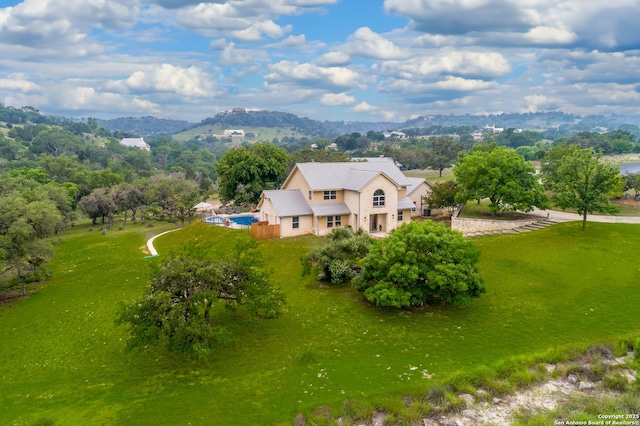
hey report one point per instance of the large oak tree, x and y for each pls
(177, 311)
(502, 176)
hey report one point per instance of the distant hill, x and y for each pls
(555, 123)
(273, 119)
(146, 126)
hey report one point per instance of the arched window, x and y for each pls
(378, 198)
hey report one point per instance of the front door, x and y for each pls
(374, 223)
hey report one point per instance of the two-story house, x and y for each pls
(317, 197)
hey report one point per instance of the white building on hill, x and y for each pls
(135, 143)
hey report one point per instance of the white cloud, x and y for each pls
(592, 23)
(42, 23)
(451, 62)
(230, 55)
(333, 59)
(337, 99)
(18, 82)
(364, 107)
(549, 35)
(307, 74)
(368, 44)
(87, 98)
(192, 81)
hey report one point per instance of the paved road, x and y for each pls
(565, 217)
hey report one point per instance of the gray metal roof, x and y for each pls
(405, 203)
(415, 183)
(349, 175)
(330, 209)
(288, 202)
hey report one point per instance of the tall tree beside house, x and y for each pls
(502, 176)
(442, 196)
(579, 180)
(418, 263)
(243, 173)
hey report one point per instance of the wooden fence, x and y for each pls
(263, 231)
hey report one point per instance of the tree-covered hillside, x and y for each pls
(146, 126)
(272, 119)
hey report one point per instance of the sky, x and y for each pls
(351, 60)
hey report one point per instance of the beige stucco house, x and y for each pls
(317, 197)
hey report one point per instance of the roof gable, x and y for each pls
(287, 203)
(347, 175)
(415, 184)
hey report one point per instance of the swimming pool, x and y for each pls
(244, 220)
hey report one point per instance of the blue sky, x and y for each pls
(367, 60)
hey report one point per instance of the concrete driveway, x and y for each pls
(567, 217)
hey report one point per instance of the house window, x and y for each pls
(330, 195)
(296, 222)
(378, 198)
(310, 195)
(334, 221)
(400, 216)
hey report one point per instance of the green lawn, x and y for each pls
(64, 361)
(432, 176)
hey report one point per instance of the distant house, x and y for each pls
(234, 133)
(135, 143)
(492, 128)
(394, 134)
(477, 135)
(331, 147)
(317, 197)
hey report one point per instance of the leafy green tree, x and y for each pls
(418, 263)
(632, 183)
(243, 173)
(26, 231)
(578, 179)
(177, 310)
(527, 152)
(99, 204)
(444, 152)
(128, 197)
(339, 254)
(443, 196)
(502, 176)
(56, 141)
(172, 197)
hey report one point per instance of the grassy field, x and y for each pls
(64, 361)
(432, 176)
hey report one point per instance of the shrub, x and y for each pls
(342, 250)
(421, 262)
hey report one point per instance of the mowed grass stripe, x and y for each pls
(558, 286)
